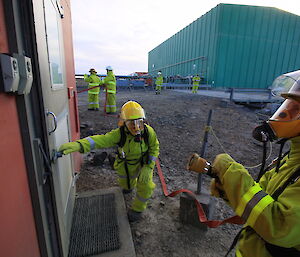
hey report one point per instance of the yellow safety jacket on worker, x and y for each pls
(159, 80)
(133, 151)
(93, 80)
(196, 80)
(276, 222)
(110, 83)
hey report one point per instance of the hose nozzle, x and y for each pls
(198, 164)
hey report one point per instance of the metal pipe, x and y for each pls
(171, 65)
(205, 139)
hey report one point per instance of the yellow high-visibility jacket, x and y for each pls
(110, 83)
(93, 80)
(196, 80)
(133, 151)
(159, 80)
(274, 221)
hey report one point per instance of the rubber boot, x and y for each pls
(99, 159)
(126, 191)
(111, 159)
(134, 216)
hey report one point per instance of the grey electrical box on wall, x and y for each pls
(9, 73)
(25, 70)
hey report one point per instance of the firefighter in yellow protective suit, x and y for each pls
(196, 82)
(158, 83)
(93, 93)
(269, 205)
(111, 89)
(138, 148)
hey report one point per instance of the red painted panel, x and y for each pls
(70, 77)
(17, 234)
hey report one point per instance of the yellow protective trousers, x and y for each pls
(111, 103)
(158, 88)
(144, 191)
(195, 88)
(93, 99)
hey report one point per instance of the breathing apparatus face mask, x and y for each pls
(135, 128)
(263, 133)
(286, 120)
(285, 123)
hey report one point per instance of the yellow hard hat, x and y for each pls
(285, 122)
(132, 110)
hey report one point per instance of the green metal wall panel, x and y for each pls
(256, 44)
(187, 49)
(244, 47)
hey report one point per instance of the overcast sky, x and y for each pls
(120, 33)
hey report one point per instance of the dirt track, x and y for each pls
(179, 120)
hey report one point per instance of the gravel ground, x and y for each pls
(179, 120)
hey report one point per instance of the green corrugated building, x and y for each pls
(232, 46)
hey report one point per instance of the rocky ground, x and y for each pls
(179, 120)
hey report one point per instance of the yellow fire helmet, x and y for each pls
(132, 110)
(285, 122)
(92, 70)
(132, 115)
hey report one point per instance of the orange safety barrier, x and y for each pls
(201, 214)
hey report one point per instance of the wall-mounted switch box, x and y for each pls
(25, 70)
(9, 73)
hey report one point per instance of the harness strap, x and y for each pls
(123, 158)
(290, 180)
(274, 250)
(127, 174)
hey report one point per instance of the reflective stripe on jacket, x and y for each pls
(110, 83)
(133, 150)
(93, 80)
(274, 221)
(159, 80)
(196, 80)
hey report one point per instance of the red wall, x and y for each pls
(17, 229)
(70, 77)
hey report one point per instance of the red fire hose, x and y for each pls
(201, 213)
(87, 89)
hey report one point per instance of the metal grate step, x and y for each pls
(95, 227)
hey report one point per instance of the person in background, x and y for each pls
(94, 89)
(111, 89)
(158, 83)
(269, 205)
(196, 82)
(138, 148)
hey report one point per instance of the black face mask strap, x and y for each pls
(282, 143)
(263, 162)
